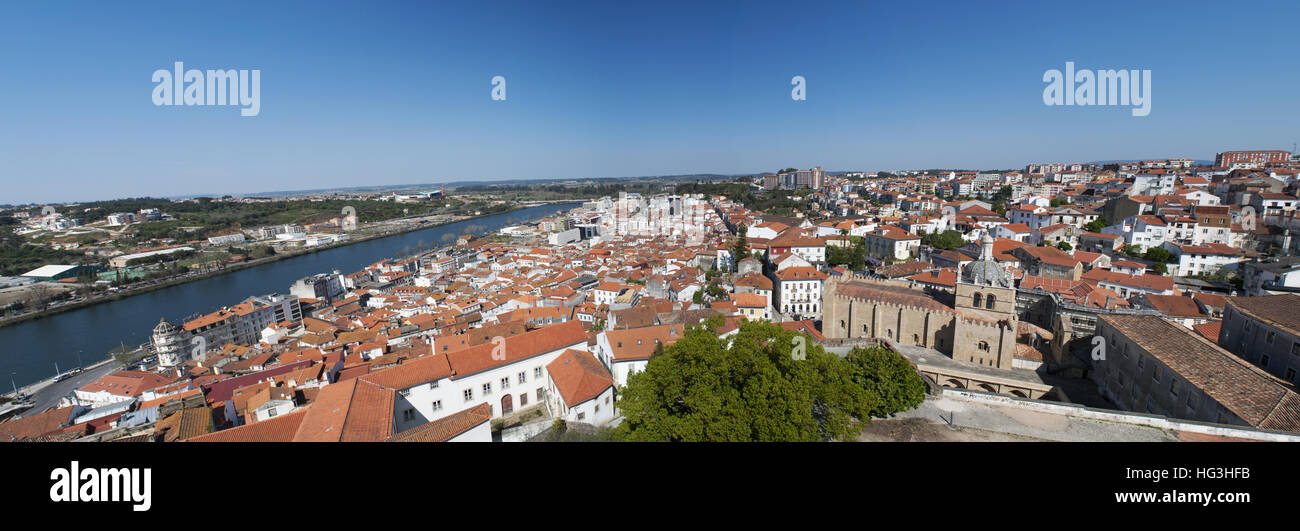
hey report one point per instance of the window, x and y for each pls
(1290, 374)
(582, 416)
(469, 395)
(1142, 362)
(487, 388)
(271, 412)
(408, 414)
(1263, 362)
(433, 384)
(437, 404)
(539, 393)
(505, 383)
(991, 300)
(523, 399)
(978, 299)
(521, 378)
(597, 408)
(1155, 374)
(537, 372)
(1269, 338)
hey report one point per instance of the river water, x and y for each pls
(29, 350)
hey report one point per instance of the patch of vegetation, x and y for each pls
(767, 384)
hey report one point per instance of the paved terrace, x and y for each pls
(976, 416)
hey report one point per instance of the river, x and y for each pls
(29, 350)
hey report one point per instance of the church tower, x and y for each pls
(986, 293)
(986, 286)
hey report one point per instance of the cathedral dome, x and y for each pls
(164, 327)
(986, 271)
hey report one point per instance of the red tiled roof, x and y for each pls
(1175, 306)
(412, 373)
(800, 273)
(749, 300)
(446, 428)
(479, 358)
(352, 411)
(280, 428)
(578, 376)
(1209, 330)
(639, 343)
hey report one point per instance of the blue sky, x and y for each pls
(391, 93)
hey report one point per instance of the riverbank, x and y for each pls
(47, 393)
(192, 277)
(30, 349)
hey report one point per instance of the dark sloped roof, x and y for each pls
(1247, 391)
(1275, 310)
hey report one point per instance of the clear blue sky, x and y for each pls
(389, 93)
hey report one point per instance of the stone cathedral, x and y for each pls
(978, 324)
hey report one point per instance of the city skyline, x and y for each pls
(351, 95)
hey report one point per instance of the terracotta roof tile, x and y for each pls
(578, 376)
(446, 428)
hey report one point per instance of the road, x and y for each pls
(46, 395)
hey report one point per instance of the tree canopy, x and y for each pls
(767, 384)
(946, 240)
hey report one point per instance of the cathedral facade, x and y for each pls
(977, 324)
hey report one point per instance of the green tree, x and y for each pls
(716, 291)
(1003, 195)
(758, 388)
(1064, 246)
(946, 240)
(740, 249)
(889, 379)
(1159, 254)
(1096, 225)
(1160, 268)
(698, 297)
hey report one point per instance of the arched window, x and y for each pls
(992, 298)
(978, 300)
(984, 345)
